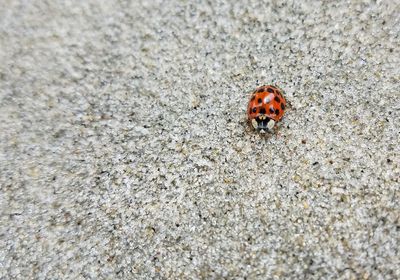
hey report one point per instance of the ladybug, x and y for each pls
(266, 107)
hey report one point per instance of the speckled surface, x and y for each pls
(125, 153)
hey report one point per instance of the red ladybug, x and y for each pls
(266, 107)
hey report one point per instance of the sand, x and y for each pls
(125, 151)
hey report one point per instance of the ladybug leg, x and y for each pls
(276, 131)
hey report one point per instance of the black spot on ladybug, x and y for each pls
(259, 100)
(261, 90)
(271, 90)
(277, 99)
(282, 106)
(277, 111)
(262, 111)
(254, 109)
(271, 110)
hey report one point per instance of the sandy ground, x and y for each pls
(125, 152)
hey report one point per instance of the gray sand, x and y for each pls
(125, 152)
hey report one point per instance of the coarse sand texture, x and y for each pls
(126, 153)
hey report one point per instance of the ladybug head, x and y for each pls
(262, 123)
